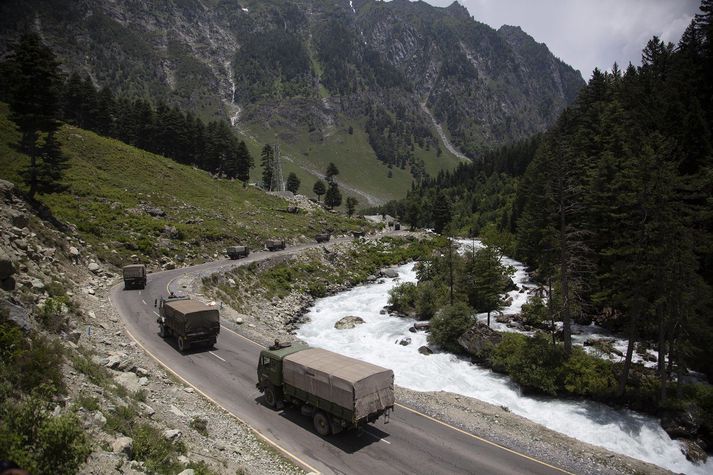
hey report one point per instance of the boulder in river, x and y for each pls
(478, 339)
(424, 350)
(684, 422)
(390, 273)
(424, 326)
(694, 452)
(404, 341)
(348, 322)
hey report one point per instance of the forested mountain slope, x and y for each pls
(327, 80)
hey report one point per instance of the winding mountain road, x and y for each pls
(410, 443)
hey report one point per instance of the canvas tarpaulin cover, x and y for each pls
(350, 383)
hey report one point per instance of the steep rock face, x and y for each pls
(305, 66)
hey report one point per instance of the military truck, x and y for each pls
(134, 276)
(236, 252)
(274, 244)
(191, 322)
(397, 226)
(339, 392)
(322, 237)
(359, 234)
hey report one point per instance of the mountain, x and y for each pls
(360, 83)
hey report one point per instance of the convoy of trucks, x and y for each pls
(339, 392)
(134, 276)
(190, 321)
(236, 252)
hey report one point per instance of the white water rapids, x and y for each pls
(621, 431)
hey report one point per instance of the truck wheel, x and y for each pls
(321, 423)
(182, 344)
(270, 397)
(162, 331)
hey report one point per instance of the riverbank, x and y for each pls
(268, 319)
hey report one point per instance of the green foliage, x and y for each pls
(333, 197)
(531, 362)
(319, 189)
(39, 442)
(52, 313)
(534, 311)
(588, 376)
(158, 454)
(351, 204)
(293, 183)
(402, 298)
(30, 363)
(449, 324)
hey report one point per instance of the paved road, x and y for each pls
(409, 443)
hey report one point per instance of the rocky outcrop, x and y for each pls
(479, 339)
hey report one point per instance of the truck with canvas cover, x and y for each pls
(322, 237)
(275, 244)
(191, 322)
(339, 392)
(134, 276)
(236, 252)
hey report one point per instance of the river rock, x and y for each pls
(424, 350)
(694, 452)
(390, 273)
(123, 445)
(684, 422)
(348, 322)
(405, 341)
(423, 326)
(479, 338)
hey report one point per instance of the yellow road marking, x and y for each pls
(289, 454)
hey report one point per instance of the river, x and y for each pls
(626, 432)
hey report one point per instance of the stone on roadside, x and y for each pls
(171, 434)
(93, 267)
(129, 380)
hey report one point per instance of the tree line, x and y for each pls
(611, 208)
(40, 99)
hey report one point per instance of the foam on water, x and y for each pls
(376, 340)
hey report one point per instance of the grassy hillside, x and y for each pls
(110, 185)
(359, 168)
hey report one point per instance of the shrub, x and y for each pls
(530, 362)
(534, 311)
(402, 298)
(449, 324)
(428, 300)
(51, 313)
(158, 454)
(38, 442)
(199, 425)
(586, 375)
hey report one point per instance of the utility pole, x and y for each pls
(278, 182)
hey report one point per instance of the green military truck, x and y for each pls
(339, 392)
(275, 244)
(236, 252)
(134, 276)
(322, 237)
(191, 322)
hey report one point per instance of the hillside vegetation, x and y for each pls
(113, 189)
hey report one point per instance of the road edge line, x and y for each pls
(304, 465)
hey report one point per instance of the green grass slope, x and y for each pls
(110, 184)
(305, 154)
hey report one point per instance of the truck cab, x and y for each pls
(269, 370)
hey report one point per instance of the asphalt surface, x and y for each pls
(409, 443)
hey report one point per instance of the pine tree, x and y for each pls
(332, 171)
(319, 189)
(333, 197)
(351, 205)
(441, 212)
(35, 108)
(245, 162)
(293, 183)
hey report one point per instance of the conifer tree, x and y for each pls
(293, 183)
(35, 108)
(319, 189)
(245, 162)
(268, 165)
(351, 204)
(333, 197)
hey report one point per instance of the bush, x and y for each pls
(534, 312)
(428, 300)
(158, 454)
(38, 442)
(51, 313)
(530, 362)
(449, 324)
(586, 375)
(199, 425)
(402, 298)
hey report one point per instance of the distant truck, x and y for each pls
(358, 234)
(339, 392)
(190, 321)
(397, 226)
(134, 276)
(275, 244)
(236, 252)
(322, 237)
